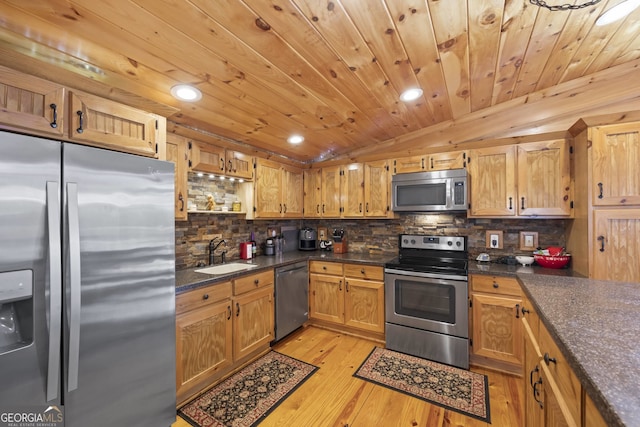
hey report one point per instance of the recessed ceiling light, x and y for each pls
(186, 93)
(617, 12)
(295, 139)
(411, 94)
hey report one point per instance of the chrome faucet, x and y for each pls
(212, 248)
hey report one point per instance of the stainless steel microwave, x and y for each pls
(434, 191)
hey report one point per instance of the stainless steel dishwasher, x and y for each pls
(292, 298)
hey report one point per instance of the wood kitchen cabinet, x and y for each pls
(31, 104)
(220, 328)
(603, 237)
(312, 194)
(239, 165)
(204, 342)
(278, 190)
(377, 189)
(552, 391)
(432, 162)
(177, 152)
(253, 320)
(331, 192)
(204, 157)
(104, 123)
(525, 180)
(352, 190)
(347, 297)
(496, 330)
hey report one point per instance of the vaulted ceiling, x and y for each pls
(331, 70)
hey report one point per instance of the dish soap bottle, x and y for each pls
(254, 246)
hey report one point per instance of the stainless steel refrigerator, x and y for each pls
(87, 283)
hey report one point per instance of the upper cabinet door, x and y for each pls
(292, 189)
(312, 193)
(177, 153)
(410, 164)
(239, 164)
(101, 122)
(330, 192)
(376, 186)
(544, 178)
(353, 190)
(492, 178)
(268, 188)
(616, 167)
(31, 104)
(205, 157)
(445, 161)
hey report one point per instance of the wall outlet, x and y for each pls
(494, 239)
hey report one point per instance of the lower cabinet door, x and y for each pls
(326, 298)
(203, 346)
(252, 321)
(364, 304)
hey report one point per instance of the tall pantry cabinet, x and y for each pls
(605, 235)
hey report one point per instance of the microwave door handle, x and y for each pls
(55, 289)
(74, 284)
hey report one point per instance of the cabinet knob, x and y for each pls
(548, 359)
(255, 282)
(495, 285)
(362, 271)
(524, 311)
(205, 296)
(324, 267)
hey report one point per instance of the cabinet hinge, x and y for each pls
(156, 148)
(469, 160)
(189, 163)
(470, 303)
(254, 209)
(470, 342)
(464, 156)
(464, 164)
(469, 206)
(387, 168)
(571, 204)
(255, 165)
(571, 149)
(156, 125)
(189, 144)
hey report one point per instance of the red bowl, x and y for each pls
(555, 250)
(549, 261)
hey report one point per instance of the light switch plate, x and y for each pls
(494, 239)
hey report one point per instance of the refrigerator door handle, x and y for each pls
(55, 289)
(74, 284)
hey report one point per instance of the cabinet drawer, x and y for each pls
(322, 267)
(361, 271)
(253, 281)
(202, 296)
(496, 285)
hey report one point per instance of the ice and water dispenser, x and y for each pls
(16, 309)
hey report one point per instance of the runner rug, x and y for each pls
(247, 397)
(452, 388)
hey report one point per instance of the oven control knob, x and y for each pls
(458, 243)
(450, 243)
(413, 241)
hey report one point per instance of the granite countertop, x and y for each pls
(595, 324)
(188, 279)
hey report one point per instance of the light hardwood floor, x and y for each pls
(333, 397)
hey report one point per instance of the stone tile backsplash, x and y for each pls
(378, 236)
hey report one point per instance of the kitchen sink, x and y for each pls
(226, 268)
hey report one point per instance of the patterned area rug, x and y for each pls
(452, 388)
(247, 397)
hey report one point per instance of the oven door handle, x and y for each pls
(427, 275)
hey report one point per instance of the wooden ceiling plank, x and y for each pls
(449, 21)
(412, 20)
(546, 32)
(577, 28)
(342, 37)
(618, 43)
(377, 28)
(590, 47)
(485, 24)
(297, 31)
(518, 21)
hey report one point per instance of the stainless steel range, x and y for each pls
(426, 293)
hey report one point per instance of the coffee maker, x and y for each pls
(307, 239)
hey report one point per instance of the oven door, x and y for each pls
(422, 301)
